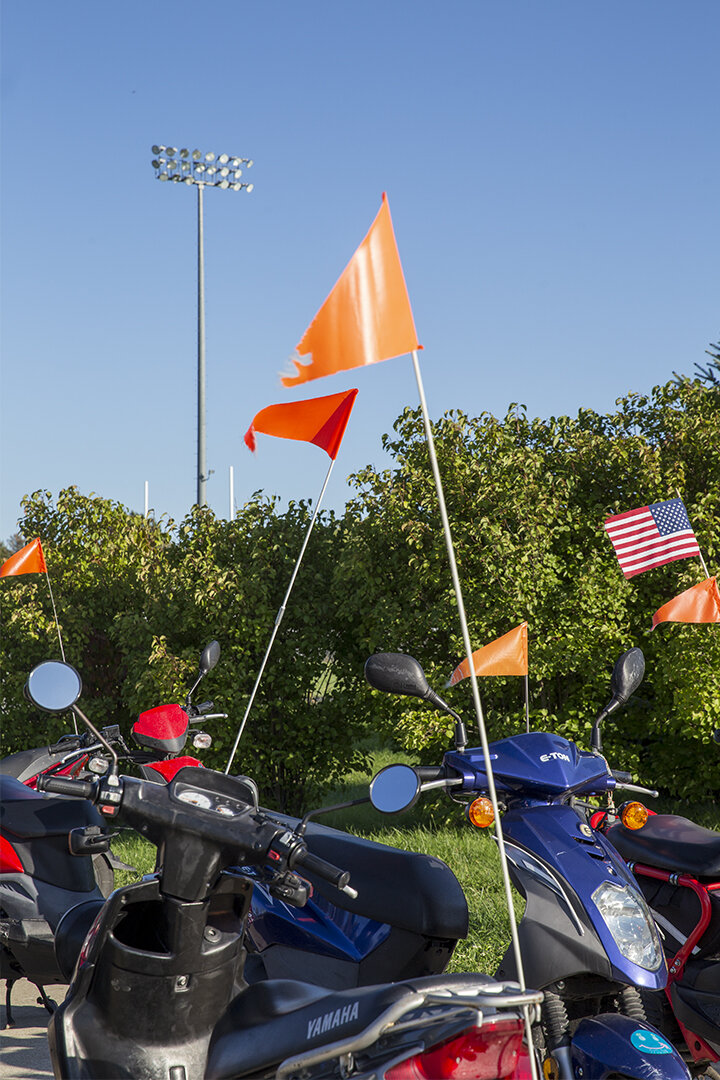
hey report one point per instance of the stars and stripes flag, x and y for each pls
(652, 536)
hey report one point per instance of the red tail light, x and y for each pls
(493, 1052)
(9, 859)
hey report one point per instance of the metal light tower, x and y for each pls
(203, 170)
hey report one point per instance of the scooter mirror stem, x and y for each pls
(300, 831)
(596, 739)
(460, 735)
(114, 768)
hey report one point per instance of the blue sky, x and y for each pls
(551, 168)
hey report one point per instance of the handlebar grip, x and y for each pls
(323, 869)
(63, 785)
(621, 777)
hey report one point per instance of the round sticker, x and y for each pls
(650, 1042)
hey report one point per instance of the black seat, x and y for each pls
(670, 843)
(406, 889)
(26, 813)
(273, 1020)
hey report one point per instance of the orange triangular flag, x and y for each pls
(698, 604)
(28, 560)
(507, 655)
(321, 421)
(367, 317)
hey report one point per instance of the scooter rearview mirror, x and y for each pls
(627, 675)
(396, 673)
(394, 788)
(53, 686)
(210, 657)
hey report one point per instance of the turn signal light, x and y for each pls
(480, 812)
(634, 815)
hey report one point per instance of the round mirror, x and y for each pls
(395, 788)
(53, 686)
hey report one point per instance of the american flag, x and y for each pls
(651, 536)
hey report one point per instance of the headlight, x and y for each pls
(628, 919)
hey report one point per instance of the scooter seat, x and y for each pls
(407, 889)
(670, 843)
(274, 1020)
(27, 814)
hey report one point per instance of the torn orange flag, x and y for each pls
(698, 604)
(367, 317)
(507, 655)
(28, 560)
(320, 420)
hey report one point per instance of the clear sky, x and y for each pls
(552, 173)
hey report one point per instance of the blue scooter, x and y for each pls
(587, 938)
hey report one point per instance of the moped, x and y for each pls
(586, 936)
(158, 991)
(55, 854)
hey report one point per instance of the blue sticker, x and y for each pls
(650, 1042)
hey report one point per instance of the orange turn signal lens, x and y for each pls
(634, 815)
(480, 812)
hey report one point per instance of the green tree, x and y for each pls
(137, 600)
(527, 499)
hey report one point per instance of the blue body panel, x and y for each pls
(533, 764)
(611, 1044)
(552, 833)
(319, 927)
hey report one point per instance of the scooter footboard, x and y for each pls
(610, 1043)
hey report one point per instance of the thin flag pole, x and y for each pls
(57, 623)
(473, 677)
(700, 556)
(527, 703)
(278, 617)
(57, 627)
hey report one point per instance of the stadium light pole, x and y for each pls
(200, 170)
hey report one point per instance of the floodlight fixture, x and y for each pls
(193, 167)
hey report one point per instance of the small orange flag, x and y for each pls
(507, 655)
(321, 421)
(367, 317)
(28, 560)
(698, 604)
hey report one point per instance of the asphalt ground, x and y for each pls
(24, 1051)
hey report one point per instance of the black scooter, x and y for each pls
(155, 993)
(55, 854)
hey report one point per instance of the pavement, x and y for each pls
(24, 1051)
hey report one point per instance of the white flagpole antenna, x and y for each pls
(700, 557)
(473, 677)
(231, 515)
(57, 627)
(527, 703)
(278, 617)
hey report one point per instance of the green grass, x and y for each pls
(436, 826)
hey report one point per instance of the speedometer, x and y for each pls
(195, 798)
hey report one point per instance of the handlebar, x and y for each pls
(305, 860)
(64, 785)
(199, 807)
(621, 777)
(640, 790)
